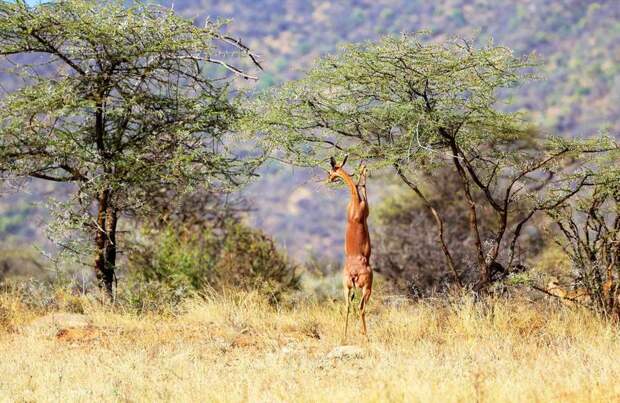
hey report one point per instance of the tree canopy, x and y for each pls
(387, 100)
(120, 100)
(414, 107)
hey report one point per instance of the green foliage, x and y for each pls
(385, 101)
(180, 260)
(141, 71)
(568, 62)
(122, 102)
(590, 40)
(232, 256)
(248, 259)
(571, 39)
(420, 108)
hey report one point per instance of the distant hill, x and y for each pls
(578, 41)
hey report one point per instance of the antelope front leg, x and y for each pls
(364, 300)
(347, 297)
(361, 183)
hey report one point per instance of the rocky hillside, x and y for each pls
(578, 42)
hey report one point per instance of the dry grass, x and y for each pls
(238, 348)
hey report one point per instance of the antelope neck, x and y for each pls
(347, 179)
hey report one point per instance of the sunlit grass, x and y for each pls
(238, 347)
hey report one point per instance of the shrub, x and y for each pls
(404, 239)
(158, 297)
(250, 260)
(181, 261)
(590, 237)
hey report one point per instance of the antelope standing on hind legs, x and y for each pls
(357, 272)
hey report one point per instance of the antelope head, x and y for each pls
(335, 171)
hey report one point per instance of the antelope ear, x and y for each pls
(344, 161)
(332, 161)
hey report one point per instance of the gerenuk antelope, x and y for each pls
(357, 272)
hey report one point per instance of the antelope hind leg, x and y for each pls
(347, 298)
(366, 291)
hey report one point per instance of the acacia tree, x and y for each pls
(589, 230)
(414, 107)
(405, 248)
(120, 101)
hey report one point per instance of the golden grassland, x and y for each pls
(237, 347)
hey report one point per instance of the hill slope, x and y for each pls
(578, 41)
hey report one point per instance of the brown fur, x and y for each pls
(357, 272)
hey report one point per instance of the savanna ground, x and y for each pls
(238, 347)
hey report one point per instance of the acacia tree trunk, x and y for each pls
(110, 248)
(104, 272)
(438, 222)
(483, 265)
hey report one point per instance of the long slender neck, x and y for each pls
(352, 188)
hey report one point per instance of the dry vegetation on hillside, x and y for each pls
(239, 348)
(577, 40)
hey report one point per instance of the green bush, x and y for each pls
(178, 259)
(250, 260)
(142, 297)
(235, 255)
